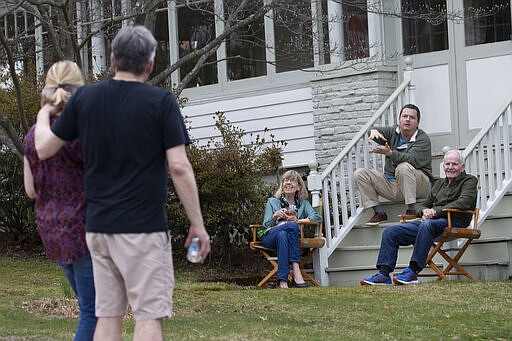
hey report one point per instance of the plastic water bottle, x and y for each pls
(193, 251)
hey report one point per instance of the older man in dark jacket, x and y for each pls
(457, 190)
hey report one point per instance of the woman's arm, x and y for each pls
(28, 180)
(307, 213)
(271, 207)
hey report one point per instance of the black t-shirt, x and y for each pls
(125, 129)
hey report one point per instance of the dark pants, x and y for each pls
(419, 233)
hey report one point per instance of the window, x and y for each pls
(486, 21)
(196, 28)
(293, 35)
(245, 48)
(424, 26)
(324, 53)
(18, 28)
(352, 23)
(162, 36)
(356, 31)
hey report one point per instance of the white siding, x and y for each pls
(287, 114)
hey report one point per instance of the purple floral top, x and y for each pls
(60, 205)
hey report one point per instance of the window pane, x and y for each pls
(20, 24)
(162, 36)
(424, 26)
(30, 24)
(196, 28)
(356, 31)
(324, 51)
(354, 23)
(486, 21)
(293, 35)
(245, 48)
(10, 25)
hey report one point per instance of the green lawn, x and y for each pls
(219, 311)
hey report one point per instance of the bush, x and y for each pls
(232, 192)
(17, 219)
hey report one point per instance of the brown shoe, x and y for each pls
(377, 218)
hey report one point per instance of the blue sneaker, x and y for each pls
(377, 279)
(406, 277)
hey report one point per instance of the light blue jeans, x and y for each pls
(417, 233)
(284, 238)
(80, 277)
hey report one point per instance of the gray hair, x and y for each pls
(458, 152)
(133, 48)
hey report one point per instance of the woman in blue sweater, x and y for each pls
(283, 214)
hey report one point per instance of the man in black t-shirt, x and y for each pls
(131, 134)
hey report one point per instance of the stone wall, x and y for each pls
(342, 105)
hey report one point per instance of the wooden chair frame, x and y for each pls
(450, 233)
(307, 245)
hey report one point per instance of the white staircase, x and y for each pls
(351, 248)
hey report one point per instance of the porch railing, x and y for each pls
(488, 158)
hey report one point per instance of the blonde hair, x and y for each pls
(62, 79)
(302, 193)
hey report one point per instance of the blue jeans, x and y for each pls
(417, 233)
(80, 277)
(284, 238)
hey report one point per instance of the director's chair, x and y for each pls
(311, 238)
(439, 246)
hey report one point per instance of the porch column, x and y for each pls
(99, 61)
(336, 39)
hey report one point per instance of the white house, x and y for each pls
(318, 80)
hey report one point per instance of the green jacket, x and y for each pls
(417, 151)
(461, 194)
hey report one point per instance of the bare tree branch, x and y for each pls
(15, 80)
(14, 139)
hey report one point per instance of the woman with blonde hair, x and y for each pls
(56, 184)
(283, 213)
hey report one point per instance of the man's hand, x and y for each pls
(204, 240)
(428, 213)
(48, 108)
(46, 142)
(377, 137)
(384, 150)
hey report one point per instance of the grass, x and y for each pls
(456, 310)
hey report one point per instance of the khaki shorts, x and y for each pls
(134, 269)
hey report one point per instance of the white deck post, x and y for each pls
(319, 256)
(408, 75)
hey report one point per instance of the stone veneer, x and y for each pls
(342, 105)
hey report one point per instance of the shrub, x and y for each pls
(232, 192)
(17, 219)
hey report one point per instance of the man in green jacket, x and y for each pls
(407, 169)
(457, 190)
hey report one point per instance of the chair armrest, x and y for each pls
(456, 210)
(318, 226)
(254, 228)
(405, 217)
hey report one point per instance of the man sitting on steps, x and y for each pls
(457, 190)
(407, 169)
